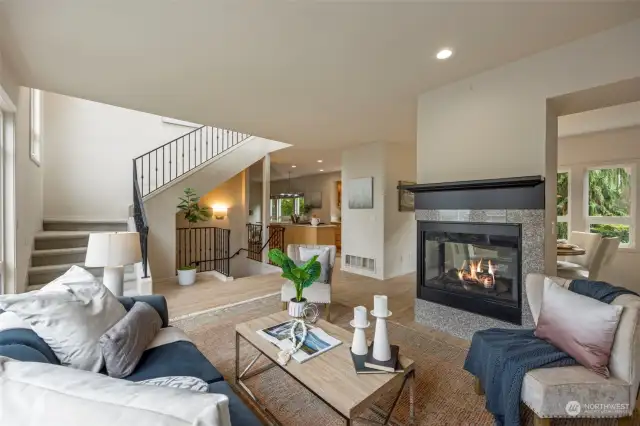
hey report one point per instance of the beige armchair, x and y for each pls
(548, 390)
(578, 267)
(317, 292)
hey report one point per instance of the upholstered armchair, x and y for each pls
(317, 292)
(546, 391)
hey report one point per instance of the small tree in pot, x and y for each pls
(301, 276)
(193, 213)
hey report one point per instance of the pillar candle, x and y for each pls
(380, 305)
(360, 315)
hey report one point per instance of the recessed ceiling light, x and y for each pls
(293, 166)
(319, 161)
(322, 170)
(444, 54)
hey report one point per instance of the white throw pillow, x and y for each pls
(323, 253)
(69, 314)
(33, 393)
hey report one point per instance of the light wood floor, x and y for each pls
(348, 289)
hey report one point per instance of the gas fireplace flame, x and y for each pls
(475, 273)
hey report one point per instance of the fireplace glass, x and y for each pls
(480, 261)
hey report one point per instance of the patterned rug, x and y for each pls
(443, 390)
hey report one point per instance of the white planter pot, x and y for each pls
(296, 309)
(187, 276)
(315, 221)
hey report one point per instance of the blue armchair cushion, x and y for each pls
(174, 359)
(26, 337)
(23, 353)
(239, 412)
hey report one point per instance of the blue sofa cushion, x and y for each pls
(239, 412)
(158, 302)
(25, 337)
(23, 353)
(175, 359)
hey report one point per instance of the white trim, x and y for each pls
(177, 122)
(36, 138)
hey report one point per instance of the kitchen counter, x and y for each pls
(296, 233)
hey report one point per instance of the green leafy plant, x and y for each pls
(301, 276)
(306, 209)
(193, 213)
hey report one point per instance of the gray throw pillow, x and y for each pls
(123, 344)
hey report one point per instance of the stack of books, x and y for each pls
(367, 364)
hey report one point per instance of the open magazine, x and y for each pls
(317, 340)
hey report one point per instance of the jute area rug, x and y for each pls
(443, 390)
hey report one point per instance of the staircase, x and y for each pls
(63, 244)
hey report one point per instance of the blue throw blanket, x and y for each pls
(500, 358)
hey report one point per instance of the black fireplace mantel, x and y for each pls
(525, 192)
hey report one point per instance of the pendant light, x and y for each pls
(289, 193)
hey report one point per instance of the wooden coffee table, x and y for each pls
(329, 376)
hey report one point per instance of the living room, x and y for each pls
(452, 292)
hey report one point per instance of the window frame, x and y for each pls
(567, 218)
(35, 133)
(278, 201)
(613, 220)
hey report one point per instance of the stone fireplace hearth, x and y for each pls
(476, 242)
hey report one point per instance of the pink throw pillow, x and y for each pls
(581, 326)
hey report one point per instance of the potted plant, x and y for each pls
(193, 213)
(301, 276)
(305, 210)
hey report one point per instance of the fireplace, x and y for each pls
(472, 266)
(476, 241)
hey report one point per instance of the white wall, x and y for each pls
(9, 89)
(495, 124)
(363, 229)
(161, 207)
(25, 215)
(399, 227)
(89, 148)
(612, 147)
(324, 183)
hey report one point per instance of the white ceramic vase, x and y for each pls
(315, 221)
(296, 309)
(187, 276)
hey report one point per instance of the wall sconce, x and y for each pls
(219, 211)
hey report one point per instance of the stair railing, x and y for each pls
(254, 243)
(140, 219)
(164, 164)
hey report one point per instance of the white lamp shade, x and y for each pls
(110, 249)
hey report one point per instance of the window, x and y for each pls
(609, 203)
(562, 206)
(36, 126)
(282, 208)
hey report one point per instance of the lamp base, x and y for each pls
(113, 279)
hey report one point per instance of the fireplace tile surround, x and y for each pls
(461, 323)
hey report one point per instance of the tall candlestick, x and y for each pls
(380, 305)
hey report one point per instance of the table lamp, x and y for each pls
(113, 250)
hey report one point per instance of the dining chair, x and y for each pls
(578, 267)
(603, 256)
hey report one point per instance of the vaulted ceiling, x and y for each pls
(319, 75)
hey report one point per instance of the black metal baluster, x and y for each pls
(149, 172)
(156, 169)
(217, 141)
(182, 156)
(226, 252)
(200, 147)
(163, 167)
(206, 144)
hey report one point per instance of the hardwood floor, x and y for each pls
(348, 289)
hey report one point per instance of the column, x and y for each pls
(266, 198)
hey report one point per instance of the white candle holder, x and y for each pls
(381, 347)
(359, 344)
